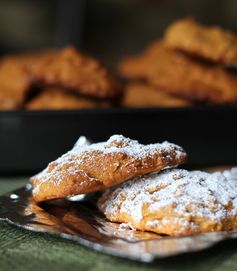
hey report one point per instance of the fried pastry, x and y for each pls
(143, 95)
(180, 75)
(211, 43)
(95, 167)
(175, 202)
(68, 68)
(54, 99)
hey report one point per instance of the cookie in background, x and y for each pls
(178, 74)
(55, 99)
(80, 80)
(211, 43)
(70, 69)
(142, 95)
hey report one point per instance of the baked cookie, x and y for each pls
(55, 99)
(211, 43)
(98, 166)
(140, 94)
(175, 202)
(180, 75)
(68, 68)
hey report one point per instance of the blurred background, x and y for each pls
(106, 29)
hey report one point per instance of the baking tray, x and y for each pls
(29, 140)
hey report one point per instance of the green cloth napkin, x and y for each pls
(25, 250)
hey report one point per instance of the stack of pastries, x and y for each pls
(190, 65)
(142, 187)
(60, 79)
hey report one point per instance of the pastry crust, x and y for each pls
(140, 94)
(211, 43)
(180, 75)
(55, 99)
(68, 68)
(175, 202)
(90, 168)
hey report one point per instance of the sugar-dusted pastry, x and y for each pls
(180, 75)
(175, 202)
(212, 43)
(68, 68)
(139, 94)
(98, 166)
(54, 99)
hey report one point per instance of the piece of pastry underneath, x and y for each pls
(98, 166)
(59, 99)
(138, 95)
(175, 202)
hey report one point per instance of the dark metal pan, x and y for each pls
(29, 140)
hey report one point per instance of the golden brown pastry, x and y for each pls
(175, 202)
(15, 82)
(55, 99)
(68, 68)
(211, 43)
(94, 167)
(143, 95)
(180, 75)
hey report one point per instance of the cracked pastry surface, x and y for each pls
(180, 75)
(139, 94)
(68, 68)
(94, 167)
(175, 202)
(212, 43)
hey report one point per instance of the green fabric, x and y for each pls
(24, 250)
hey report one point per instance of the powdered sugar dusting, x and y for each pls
(121, 144)
(116, 144)
(212, 196)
